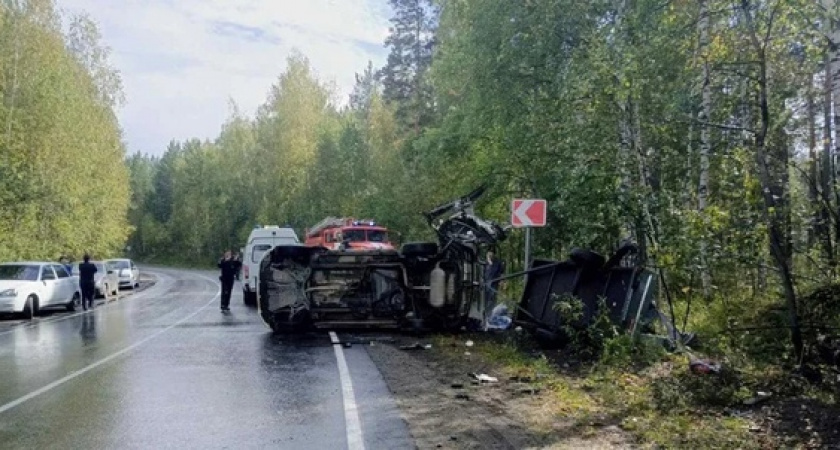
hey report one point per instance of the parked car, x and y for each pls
(28, 286)
(106, 278)
(127, 272)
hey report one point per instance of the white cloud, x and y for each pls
(182, 60)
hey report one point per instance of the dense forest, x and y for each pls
(704, 130)
(64, 186)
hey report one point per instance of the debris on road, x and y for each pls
(520, 379)
(704, 366)
(416, 346)
(759, 397)
(499, 318)
(529, 391)
(484, 378)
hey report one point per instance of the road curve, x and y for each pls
(164, 368)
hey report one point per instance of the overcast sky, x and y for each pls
(182, 60)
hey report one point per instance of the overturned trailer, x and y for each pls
(424, 285)
(625, 289)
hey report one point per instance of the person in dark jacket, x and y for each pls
(87, 282)
(65, 261)
(230, 267)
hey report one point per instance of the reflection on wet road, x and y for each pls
(164, 368)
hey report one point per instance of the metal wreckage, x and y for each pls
(440, 285)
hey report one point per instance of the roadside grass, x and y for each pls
(660, 404)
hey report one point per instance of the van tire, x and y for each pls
(419, 249)
(249, 298)
(587, 259)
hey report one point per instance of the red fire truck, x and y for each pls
(347, 233)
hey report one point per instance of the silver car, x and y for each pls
(106, 280)
(127, 272)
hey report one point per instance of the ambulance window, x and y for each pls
(258, 252)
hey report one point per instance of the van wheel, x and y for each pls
(423, 249)
(587, 259)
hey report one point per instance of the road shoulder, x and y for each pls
(445, 408)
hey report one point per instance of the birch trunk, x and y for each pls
(705, 145)
(833, 70)
(826, 168)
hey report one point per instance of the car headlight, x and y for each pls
(8, 293)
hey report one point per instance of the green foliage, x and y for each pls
(63, 179)
(404, 80)
(593, 106)
(685, 391)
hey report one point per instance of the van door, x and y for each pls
(258, 251)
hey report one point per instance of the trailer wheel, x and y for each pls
(419, 249)
(587, 258)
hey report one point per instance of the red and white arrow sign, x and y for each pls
(528, 212)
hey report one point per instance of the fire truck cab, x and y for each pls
(347, 233)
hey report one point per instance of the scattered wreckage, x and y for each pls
(440, 285)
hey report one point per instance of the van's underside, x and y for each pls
(304, 287)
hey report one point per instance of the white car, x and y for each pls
(127, 272)
(28, 286)
(106, 281)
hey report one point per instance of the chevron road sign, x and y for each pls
(528, 212)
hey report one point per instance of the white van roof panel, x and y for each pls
(272, 232)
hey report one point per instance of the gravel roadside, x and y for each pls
(445, 407)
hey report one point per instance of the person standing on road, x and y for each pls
(230, 267)
(494, 268)
(87, 283)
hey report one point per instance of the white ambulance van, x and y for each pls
(261, 240)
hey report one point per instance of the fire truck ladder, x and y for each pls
(326, 223)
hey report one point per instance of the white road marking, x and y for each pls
(102, 361)
(355, 439)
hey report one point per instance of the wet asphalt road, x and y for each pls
(164, 368)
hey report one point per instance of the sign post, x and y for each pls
(528, 213)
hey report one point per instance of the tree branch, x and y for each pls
(770, 23)
(715, 125)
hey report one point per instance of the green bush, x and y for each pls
(688, 391)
